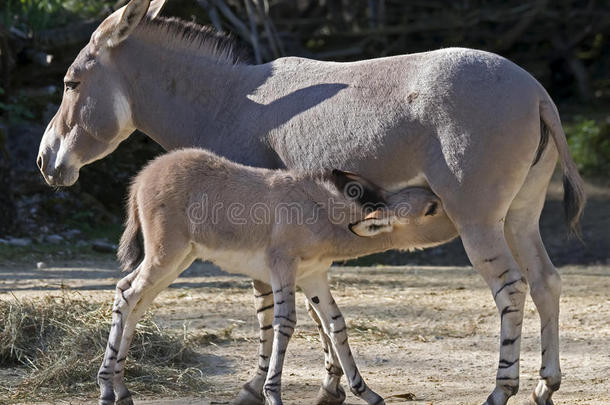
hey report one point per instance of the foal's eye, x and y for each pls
(71, 85)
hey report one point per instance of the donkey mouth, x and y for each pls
(61, 177)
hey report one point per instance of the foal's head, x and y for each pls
(380, 211)
(95, 113)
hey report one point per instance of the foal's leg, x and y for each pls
(318, 293)
(128, 292)
(284, 321)
(252, 391)
(490, 255)
(122, 393)
(331, 392)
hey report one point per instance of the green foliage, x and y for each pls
(589, 142)
(34, 15)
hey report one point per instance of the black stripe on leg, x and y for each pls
(507, 310)
(506, 363)
(503, 273)
(113, 349)
(343, 329)
(507, 342)
(286, 318)
(263, 309)
(507, 284)
(284, 333)
(266, 327)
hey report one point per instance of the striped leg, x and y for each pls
(128, 292)
(525, 241)
(252, 392)
(284, 322)
(490, 255)
(318, 293)
(150, 293)
(331, 392)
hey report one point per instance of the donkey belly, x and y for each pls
(251, 263)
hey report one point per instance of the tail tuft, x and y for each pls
(573, 203)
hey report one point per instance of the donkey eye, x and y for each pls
(71, 85)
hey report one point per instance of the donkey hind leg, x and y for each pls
(284, 321)
(489, 253)
(523, 235)
(128, 292)
(331, 392)
(252, 392)
(318, 293)
(122, 393)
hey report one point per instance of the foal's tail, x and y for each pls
(130, 252)
(574, 197)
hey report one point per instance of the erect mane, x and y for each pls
(178, 34)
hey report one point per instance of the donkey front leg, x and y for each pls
(284, 321)
(318, 293)
(331, 392)
(489, 253)
(252, 392)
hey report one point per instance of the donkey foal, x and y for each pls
(288, 227)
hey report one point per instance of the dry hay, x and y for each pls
(56, 344)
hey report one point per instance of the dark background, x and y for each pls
(564, 44)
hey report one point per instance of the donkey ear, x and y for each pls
(155, 8)
(373, 224)
(357, 187)
(117, 27)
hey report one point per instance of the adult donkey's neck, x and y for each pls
(183, 97)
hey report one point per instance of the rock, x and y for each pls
(41, 265)
(71, 233)
(54, 239)
(16, 241)
(102, 246)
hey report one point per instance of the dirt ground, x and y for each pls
(429, 331)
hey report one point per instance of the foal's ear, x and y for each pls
(358, 188)
(373, 224)
(118, 25)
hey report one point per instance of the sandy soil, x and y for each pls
(429, 331)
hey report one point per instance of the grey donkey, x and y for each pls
(471, 126)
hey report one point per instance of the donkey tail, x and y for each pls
(130, 252)
(574, 197)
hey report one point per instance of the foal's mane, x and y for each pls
(178, 34)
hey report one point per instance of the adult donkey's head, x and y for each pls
(95, 112)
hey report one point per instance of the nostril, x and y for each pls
(39, 162)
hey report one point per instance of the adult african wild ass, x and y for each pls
(470, 125)
(186, 205)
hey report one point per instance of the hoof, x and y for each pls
(247, 396)
(325, 397)
(539, 401)
(124, 401)
(107, 399)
